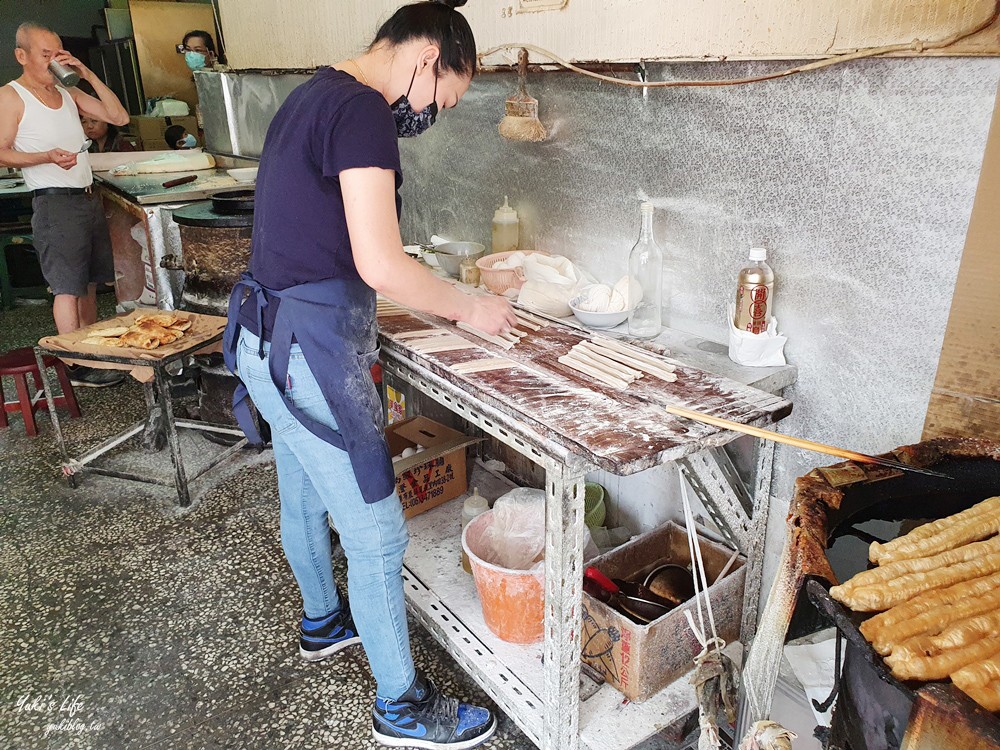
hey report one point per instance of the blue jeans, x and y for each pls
(316, 480)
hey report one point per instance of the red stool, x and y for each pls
(18, 364)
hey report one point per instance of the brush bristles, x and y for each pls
(521, 122)
(525, 129)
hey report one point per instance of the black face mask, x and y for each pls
(408, 122)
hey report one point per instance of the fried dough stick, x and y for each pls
(968, 631)
(891, 571)
(981, 682)
(920, 661)
(978, 522)
(888, 594)
(932, 611)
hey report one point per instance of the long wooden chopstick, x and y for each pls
(795, 442)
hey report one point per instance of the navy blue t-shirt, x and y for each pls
(327, 125)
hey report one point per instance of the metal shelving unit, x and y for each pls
(539, 687)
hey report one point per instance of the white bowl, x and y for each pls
(599, 319)
(243, 174)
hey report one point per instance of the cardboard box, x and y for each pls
(435, 475)
(640, 660)
(153, 145)
(153, 128)
(965, 401)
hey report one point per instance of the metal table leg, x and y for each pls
(755, 546)
(51, 400)
(162, 384)
(564, 492)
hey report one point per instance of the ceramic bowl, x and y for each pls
(243, 174)
(598, 319)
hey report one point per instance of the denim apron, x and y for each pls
(333, 321)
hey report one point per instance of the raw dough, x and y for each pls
(172, 162)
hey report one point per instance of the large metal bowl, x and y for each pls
(451, 254)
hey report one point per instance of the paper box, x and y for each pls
(640, 660)
(153, 145)
(435, 475)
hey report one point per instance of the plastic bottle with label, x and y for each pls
(506, 229)
(755, 294)
(475, 505)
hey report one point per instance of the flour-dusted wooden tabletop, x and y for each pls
(623, 432)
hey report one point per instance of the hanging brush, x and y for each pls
(520, 121)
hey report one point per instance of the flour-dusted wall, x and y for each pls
(859, 179)
(301, 34)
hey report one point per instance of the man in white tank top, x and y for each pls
(41, 134)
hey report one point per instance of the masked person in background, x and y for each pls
(325, 240)
(198, 50)
(178, 138)
(41, 134)
(199, 54)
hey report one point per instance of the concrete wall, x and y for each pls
(318, 33)
(859, 179)
(65, 17)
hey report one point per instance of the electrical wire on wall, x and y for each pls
(917, 45)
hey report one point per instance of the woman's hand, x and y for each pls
(491, 315)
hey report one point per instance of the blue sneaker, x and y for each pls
(424, 718)
(321, 639)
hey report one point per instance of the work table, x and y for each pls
(146, 189)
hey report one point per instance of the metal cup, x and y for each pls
(67, 77)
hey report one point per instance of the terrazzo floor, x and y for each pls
(125, 623)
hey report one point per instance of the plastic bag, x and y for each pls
(516, 538)
(756, 349)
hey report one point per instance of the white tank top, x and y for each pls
(42, 129)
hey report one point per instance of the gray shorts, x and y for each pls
(72, 240)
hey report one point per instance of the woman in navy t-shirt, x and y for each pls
(325, 240)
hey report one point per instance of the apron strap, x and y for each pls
(241, 398)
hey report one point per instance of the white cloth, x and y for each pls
(43, 129)
(601, 298)
(551, 282)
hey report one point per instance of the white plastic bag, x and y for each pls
(756, 349)
(516, 538)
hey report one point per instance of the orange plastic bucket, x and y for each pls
(513, 600)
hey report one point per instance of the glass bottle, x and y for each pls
(645, 265)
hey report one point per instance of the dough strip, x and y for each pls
(655, 371)
(504, 343)
(595, 374)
